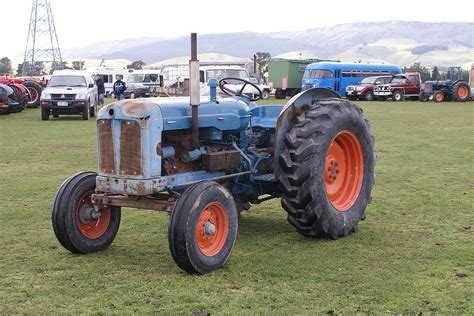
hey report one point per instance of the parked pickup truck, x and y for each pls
(364, 90)
(400, 87)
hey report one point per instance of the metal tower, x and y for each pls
(42, 44)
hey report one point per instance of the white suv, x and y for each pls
(69, 92)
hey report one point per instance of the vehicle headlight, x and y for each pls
(46, 96)
(81, 96)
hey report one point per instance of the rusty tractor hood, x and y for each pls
(226, 114)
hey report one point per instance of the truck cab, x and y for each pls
(402, 86)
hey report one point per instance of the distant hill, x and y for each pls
(234, 44)
(98, 49)
(342, 36)
(397, 42)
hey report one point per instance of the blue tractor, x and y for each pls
(206, 160)
(452, 89)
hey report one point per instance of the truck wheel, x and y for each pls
(369, 96)
(93, 110)
(461, 92)
(44, 114)
(35, 92)
(203, 228)
(438, 96)
(328, 169)
(77, 227)
(423, 97)
(265, 94)
(132, 95)
(280, 94)
(86, 112)
(397, 96)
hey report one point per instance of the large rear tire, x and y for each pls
(203, 228)
(461, 92)
(75, 224)
(35, 90)
(328, 169)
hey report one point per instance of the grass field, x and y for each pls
(414, 253)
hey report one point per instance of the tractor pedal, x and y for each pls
(269, 177)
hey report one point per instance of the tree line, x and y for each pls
(261, 59)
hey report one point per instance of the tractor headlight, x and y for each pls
(81, 96)
(46, 96)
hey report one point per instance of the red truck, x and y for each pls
(403, 86)
(364, 90)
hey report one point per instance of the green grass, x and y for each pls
(406, 257)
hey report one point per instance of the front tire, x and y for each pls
(93, 110)
(397, 96)
(328, 169)
(438, 96)
(423, 97)
(369, 96)
(73, 216)
(86, 112)
(265, 94)
(44, 114)
(203, 228)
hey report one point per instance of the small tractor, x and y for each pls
(31, 87)
(452, 89)
(203, 161)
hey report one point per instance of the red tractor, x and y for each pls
(27, 88)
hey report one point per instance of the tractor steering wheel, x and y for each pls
(230, 80)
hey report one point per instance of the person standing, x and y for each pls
(100, 89)
(119, 87)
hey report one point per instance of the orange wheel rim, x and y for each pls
(439, 97)
(462, 92)
(344, 170)
(89, 227)
(212, 229)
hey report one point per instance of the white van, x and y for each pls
(140, 82)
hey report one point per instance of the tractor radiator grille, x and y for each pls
(131, 155)
(106, 147)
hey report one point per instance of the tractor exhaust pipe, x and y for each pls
(194, 90)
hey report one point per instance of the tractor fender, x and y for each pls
(297, 104)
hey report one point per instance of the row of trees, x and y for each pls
(261, 59)
(39, 69)
(435, 74)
